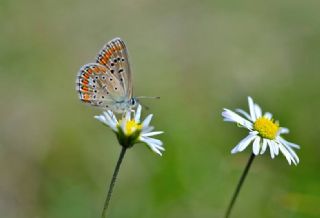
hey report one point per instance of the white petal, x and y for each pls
(293, 154)
(154, 148)
(290, 144)
(138, 114)
(110, 117)
(233, 117)
(275, 147)
(153, 145)
(251, 108)
(254, 132)
(271, 148)
(158, 147)
(128, 115)
(286, 154)
(147, 129)
(107, 121)
(107, 115)
(258, 111)
(256, 146)
(154, 141)
(110, 114)
(283, 130)
(156, 151)
(264, 146)
(123, 125)
(268, 115)
(228, 120)
(243, 144)
(101, 119)
(243, 113)
(152, 133)
(147, 121)
(235, 150)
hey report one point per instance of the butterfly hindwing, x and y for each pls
(114, 56)
(98, 86)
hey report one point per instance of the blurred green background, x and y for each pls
(56, 161)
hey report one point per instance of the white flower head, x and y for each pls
(130, 130)
(263, 132)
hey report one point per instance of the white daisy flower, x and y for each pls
(263, 132)
(130, 130)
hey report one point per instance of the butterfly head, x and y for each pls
(133, 102)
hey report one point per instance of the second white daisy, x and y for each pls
(264, 132)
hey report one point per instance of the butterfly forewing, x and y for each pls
(114, 56)
(98, 86)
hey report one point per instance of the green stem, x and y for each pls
(235, 194)
(113, 181)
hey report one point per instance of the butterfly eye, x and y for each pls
(132, 101)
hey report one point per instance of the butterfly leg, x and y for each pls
(134, 112)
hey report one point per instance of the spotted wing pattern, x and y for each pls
(98, 86)
(114, 56)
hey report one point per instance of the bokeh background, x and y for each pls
(56, 161)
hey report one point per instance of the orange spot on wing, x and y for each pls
(85, 76)
(84, 88)
(84, 81)
(107, 57)
(102, 60)
(89, 71)
(97, 69)
(101, 69)
(85, 97)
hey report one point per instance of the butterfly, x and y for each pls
(107, 83)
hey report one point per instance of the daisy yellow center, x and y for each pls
(131, 126)
(266, 128)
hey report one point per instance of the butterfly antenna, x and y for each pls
(150, 97)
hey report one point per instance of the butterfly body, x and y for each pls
(122, 106)
(107, 83)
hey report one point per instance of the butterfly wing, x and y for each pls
(114, 56)
(97, 86)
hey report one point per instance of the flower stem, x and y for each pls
(243, 176)
(113, 181)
